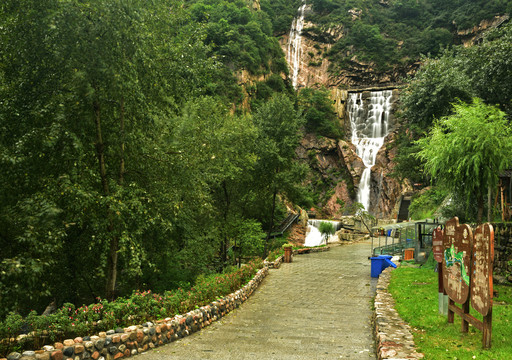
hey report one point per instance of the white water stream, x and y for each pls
(314, 236)
(294, 44)
(368, 132)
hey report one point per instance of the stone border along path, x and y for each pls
(317, 307)
(393, 336)
(133, 340)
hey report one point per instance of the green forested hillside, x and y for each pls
(143, 143)
(122, 161)
(396, 31)
(475, 82)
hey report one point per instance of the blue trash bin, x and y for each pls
(379, 263)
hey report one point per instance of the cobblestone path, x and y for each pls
(317, 307)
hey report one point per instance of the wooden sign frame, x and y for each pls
(467, 268)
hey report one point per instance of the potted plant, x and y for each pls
(287, 253)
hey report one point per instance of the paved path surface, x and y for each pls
(317, 307)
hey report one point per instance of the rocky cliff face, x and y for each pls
(471, 36)
(386, 190)
(329, 177)
(359, 74)
(336, 169)
(313, 67)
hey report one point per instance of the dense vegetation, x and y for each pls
(123, 161)
(395, 32)
(146, 143)
(70, 321)
(444, 89)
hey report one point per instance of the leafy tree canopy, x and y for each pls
(466, 151)
(319, 112)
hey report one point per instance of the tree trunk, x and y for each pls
(489, 203)
(121, 126)
(480, 213)
(271, 225)
(114, 241)
(224, 245)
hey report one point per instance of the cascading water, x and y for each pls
(314, 236)
(368, 132)
(294, 44)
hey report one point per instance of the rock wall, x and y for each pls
(313, 67)
(503, 252)
(386, 189)
(471, 36)
(329, 176)
(339, 99)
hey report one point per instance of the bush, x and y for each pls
(142, 306)
(321, 119)
(426, 204)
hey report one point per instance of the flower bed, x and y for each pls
(207, 297)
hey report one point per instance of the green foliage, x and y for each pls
(88, 150)
(281, 13)
(119, 171)
(142, 306)
(434, 88)
(370, 43)
(240, 37)
(319, 113)
(466, 151)
(274, 254)
(326, 229)
(279, 125)
(424, 205)
(397, 32)
(407, 164)
(489, 67)
(460, 73)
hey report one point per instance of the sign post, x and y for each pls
(481, 281)
(437, 249)
(467, 274)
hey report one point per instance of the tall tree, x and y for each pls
(467, 151)
(279, 125)
(90, 91)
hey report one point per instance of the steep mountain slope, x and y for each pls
(364, 46)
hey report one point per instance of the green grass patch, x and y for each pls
(416, 297)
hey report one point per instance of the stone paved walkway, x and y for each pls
(317, 307)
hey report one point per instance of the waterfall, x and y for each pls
(294, 44)
(314, 236)
(369, 128)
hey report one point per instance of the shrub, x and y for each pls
(69, 321)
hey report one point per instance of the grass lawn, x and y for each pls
(415, 293)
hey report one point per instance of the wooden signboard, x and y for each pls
(457, 245)
(467, 273)
(481, 279)
(437, 244)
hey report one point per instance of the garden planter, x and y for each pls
(287, 254)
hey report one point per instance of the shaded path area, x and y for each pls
(318, 307)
